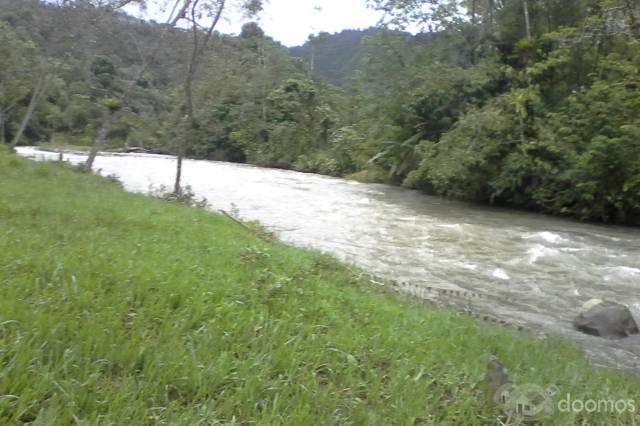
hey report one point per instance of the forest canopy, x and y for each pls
(527, 103)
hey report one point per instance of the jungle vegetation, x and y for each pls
(532, 104)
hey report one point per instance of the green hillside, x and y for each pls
(336, 57)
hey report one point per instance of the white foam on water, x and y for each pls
(535, 288)
(572, 249)
(547, 236)
(623, 270)
(455, 226)
(628, 270)
(539, 251)
(590, 304)
(469, 266)
(634, 308)
(500, 274)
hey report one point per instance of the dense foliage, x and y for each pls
(547, 121)
(252, 102)
(537, 110)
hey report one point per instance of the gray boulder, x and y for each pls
(606, 319)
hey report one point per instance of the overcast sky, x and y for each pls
(291, 21)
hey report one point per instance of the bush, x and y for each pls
(185, 196)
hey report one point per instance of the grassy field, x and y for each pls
(120, 309)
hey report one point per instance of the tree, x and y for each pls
(527, 19)
(434, 15)
(38, 92)
(21, 68)
(104, 76)
(251, 30)
(194, 12)
(112, 106)
(18, 60)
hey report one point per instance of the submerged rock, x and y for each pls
(606, 319)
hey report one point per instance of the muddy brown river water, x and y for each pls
(531, 270)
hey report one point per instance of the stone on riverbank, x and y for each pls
(606, 319)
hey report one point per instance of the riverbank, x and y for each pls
(126, 309)
(369, 175)
(66, 149)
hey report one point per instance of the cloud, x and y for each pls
(291, 21)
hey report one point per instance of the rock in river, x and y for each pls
(606, 319)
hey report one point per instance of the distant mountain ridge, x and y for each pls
(334, 57)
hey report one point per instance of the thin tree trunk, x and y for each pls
(523, 139)
(2, 130)
(474, 9)
(3, 121)
(312, 61)
(263, 63)
(99, 140)
(634, 25)
(36, 97)
(599, 43)
(199, 47)
(527, 19)
(492, 7)
(548, 7)
(190, 120)
(177, 187)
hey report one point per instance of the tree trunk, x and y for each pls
(491, 11)
(474, 9)
(36, 97)
(2, 130)
(527, 19)
(98, 142)
(263, 63)
(188, 126)
(548, 7)
(312, 60)
(634, 25)
(177, 186)
(523, 139)
(198, 48)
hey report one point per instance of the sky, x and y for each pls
(291, 21)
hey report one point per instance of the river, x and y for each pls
(532, 270)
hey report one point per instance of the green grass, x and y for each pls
(120, 309)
